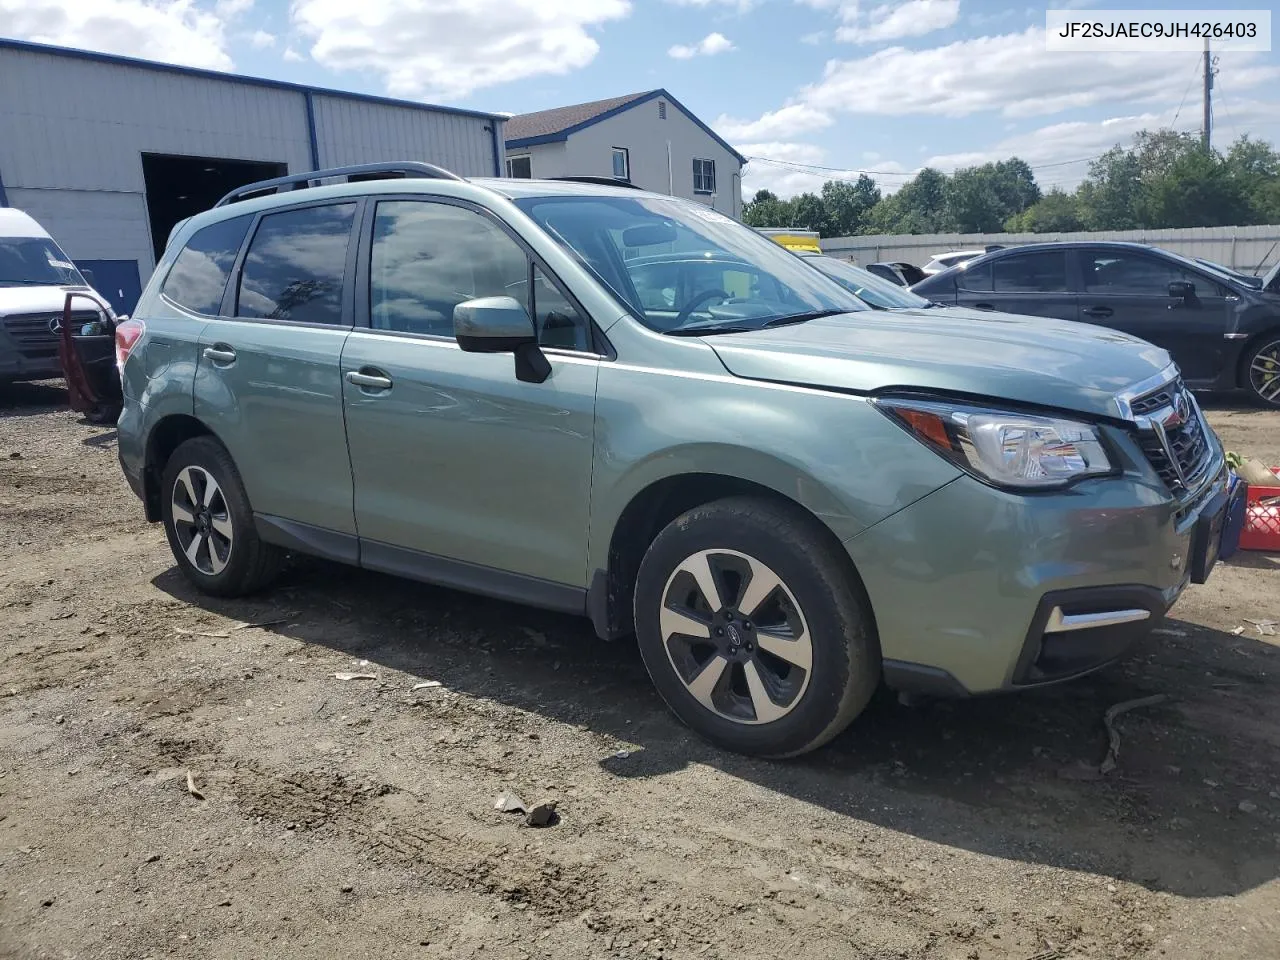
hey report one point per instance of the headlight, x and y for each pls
(1004, 448)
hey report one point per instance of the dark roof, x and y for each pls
(551, 126)
(560, 119)
(234, 78)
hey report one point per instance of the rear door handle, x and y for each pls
(1097, 311)
(983, 306)
(369, 379)
(220, 354)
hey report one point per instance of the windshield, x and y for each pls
(35, 261)
(681, 266)
(865, 285)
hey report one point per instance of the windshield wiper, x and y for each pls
(800, 318)
(698, 329)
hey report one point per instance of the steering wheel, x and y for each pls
(687, 310)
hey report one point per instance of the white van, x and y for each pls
(35, 276)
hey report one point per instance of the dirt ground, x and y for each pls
(355, 818)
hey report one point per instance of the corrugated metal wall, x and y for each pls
(73, 131)
(351, 131)
(1241, 248)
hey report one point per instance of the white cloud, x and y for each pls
(229, 9)
(708, 46)
(780, 124)
(891, 21)
(260, 40)
(172, 31)
(1010, 74)
(293, 56)
(787, 181)
(815, 38)
(741, 5)
(445, 49)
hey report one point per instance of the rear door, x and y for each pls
(1035, 283)
(1129, 290)
(463, 473)
(268, 382)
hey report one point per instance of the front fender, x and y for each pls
(833, 454)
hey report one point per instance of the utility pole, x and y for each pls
(1206, 129)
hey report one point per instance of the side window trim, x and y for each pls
(228, 310)
(363, 317)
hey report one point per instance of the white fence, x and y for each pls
(1241, 248)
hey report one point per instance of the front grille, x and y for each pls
(1183, 456)
(33, 336)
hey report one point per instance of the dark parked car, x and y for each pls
(903, 274)
(1222, 332)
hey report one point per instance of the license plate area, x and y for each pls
(1206, 538)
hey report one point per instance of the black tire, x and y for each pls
(250, 564)
(103, 413)
(1262, 383)
(785, 541)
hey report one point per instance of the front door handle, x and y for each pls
(368, 379)
(1097, 311)
(983, 306)
(220, 354)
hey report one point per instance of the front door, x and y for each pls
(1129, 290)
(268, 382)
(458, 465)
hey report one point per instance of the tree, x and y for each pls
(1108, 197)
(973, 201)
(1194, 189)
(808, 212)
(766, 210)
(1055, 212)
(847, 205)
(919, 206)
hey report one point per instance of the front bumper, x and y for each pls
(975, 589)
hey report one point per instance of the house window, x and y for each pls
(520, 168)
(662, 109)
(621, 163)
(704, 176)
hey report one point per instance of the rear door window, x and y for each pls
(296, 265)
(976, 278)
(1031, 273)
(199, 274)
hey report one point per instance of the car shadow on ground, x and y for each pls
(1190, 809)
(31, 399)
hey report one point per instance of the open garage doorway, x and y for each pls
(180, 187)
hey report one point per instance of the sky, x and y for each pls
(808, 89)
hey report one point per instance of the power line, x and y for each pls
(1194, 73)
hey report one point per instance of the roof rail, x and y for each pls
(363, 171)
(601, 181)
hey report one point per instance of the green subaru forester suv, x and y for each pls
(631, 407)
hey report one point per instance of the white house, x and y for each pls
(648, 139)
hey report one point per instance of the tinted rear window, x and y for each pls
(199, 275)
(296, 265)
(1032, 273)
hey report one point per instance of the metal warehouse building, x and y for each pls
(108, 153)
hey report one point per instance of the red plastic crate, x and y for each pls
(1262, 521)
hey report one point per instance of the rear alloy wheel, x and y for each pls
(209, 523)
(1264, 372)
(754, 628)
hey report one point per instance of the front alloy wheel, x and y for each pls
(736, 636)
(754, 626)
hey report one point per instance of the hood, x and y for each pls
(1271, 282)
(1054, 363)
(15, 300)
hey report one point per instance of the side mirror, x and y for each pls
(492, 325)
(501, 325)
(1182, 290)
